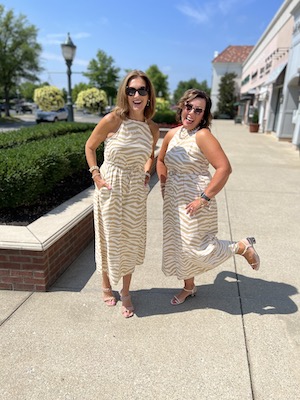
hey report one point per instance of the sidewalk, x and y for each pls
(238, 339)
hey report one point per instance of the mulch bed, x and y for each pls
(63, 191)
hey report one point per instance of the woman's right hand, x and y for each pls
(100, 183)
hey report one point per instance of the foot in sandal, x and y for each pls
(108, 297)
(127, 307)
(247, 250)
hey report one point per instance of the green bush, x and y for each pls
(255, 117)
(34, 167)
(165, 117)
(43, 131)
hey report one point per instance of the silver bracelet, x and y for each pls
(148, 174)
(93, 176)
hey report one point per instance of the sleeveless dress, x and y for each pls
(120, 213)
(190, 245)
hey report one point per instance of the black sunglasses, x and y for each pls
(130, 91)
(197, 110)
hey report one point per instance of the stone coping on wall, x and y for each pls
(46, 230)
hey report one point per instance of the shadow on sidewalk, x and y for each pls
(231, 293)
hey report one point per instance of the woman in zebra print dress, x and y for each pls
(190, 245)
(121, 184)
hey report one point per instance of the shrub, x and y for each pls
(33, 168)
(49, 98)
(43, 131)
(165, 117)
(255, 117)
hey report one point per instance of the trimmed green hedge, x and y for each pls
(32, 167)
(165, 117)
(43, 131)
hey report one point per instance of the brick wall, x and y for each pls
(38, 270)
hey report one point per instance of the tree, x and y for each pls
(183, 86)
(19, 52)
(49, 98)
(103, 74)
(79, 87)
(93, 100)
(227, 95)
(26, 90)
(159, 81)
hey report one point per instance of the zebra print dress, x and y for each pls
(190, 245)
(120, 213)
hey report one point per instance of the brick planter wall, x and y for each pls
(38, 270)
(32, 258)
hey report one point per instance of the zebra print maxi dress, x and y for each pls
(190, 245)
(120, 213)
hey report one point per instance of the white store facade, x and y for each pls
(270, 79)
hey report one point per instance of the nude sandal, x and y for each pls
(111, 300)
(127, 311)
(192, 292)
(248, 243)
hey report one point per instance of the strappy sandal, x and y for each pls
(127, 311)
(192, 292)
(111, 300)
(248, 243)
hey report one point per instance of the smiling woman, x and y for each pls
(121, 185)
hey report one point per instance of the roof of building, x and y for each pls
(233, 54)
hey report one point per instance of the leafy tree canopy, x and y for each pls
(183, 86)
(79, 87)
(102, 74)
(227, 95)
(159, 81)
(19, 52)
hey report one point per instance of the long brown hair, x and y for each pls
(190, 95)
(122, 106)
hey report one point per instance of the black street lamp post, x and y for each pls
(68, 50)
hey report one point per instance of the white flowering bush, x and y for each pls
(49, 98)
(92, 100)
(162, 104)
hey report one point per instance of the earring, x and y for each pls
(203, 122)
(148, 103)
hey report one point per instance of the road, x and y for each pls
(29, 120)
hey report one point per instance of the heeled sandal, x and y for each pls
(111, 300)
(127, 311)
(192, 292)
(248, 243)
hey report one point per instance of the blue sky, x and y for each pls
(179, 36)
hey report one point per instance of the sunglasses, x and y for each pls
(197, 110)
(130, 91)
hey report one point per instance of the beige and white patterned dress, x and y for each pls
(190, 245)
(120, 213)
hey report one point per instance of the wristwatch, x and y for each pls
(203, 196)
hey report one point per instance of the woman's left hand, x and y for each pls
(195, 205)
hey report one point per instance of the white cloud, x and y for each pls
(205, 12)
(191, 11)
(59, 38)
(46, 56)
(226, 6)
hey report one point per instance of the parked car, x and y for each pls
(52, 116)
(24, 108)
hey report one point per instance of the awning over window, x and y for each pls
(274, 75)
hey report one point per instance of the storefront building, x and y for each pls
(270, 77)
